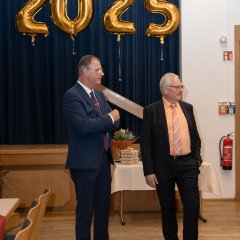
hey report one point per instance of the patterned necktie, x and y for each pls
(177, 140)
(96, 103)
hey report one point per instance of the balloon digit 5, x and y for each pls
(171, 14)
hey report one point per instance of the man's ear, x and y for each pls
(85, 71)
(165, 90)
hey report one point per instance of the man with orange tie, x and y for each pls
(90, 123)
(170, 149)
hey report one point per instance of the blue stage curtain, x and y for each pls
(33, 79)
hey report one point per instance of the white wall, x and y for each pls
(207, 77)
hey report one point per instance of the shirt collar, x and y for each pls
(88, 90)
(168, 104)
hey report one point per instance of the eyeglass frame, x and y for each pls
(180, 87)
(98, 70)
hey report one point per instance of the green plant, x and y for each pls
(123, 134)
(3, 177)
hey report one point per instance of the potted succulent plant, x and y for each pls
(122, 139)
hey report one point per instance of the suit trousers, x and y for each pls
(93, 194)
(184, 173)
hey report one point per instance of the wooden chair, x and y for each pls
(24, 233)
(33, 215)
(43, 200)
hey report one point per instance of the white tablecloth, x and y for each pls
(8, 205)
(130, 177)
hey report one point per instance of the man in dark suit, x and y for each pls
(90, 122)
(170, 148)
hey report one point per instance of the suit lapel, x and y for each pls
(87, 98)
(187, 115)
(163, 120)
(84, 94)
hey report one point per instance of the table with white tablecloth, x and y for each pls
(7, 207)
(130, 177)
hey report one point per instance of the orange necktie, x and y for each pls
(177, 140)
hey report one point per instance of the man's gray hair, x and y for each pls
(165, 80)
(85, 61)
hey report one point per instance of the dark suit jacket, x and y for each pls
(86, 129)
(155, 150)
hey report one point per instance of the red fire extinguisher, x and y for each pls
(226, 152)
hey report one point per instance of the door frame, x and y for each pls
(237, 102)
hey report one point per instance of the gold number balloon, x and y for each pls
(25, 22)
(171, 14)
(62, 21)
(112, 18)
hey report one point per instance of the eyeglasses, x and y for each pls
(98, 70)
(180, 87)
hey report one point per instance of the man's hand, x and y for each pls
(151, 180)
(115, 115)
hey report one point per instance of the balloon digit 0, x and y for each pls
(62, 21)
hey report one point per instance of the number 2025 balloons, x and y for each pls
(26, 23)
